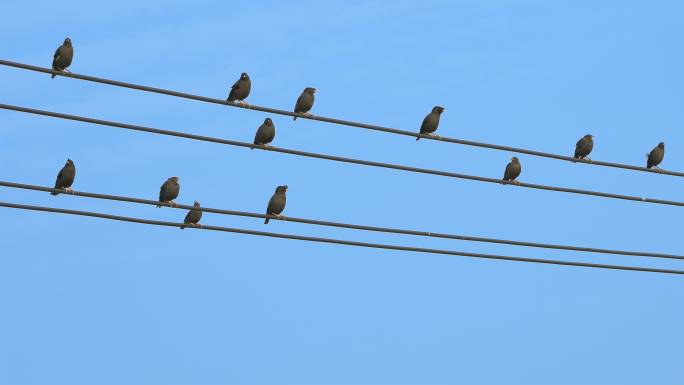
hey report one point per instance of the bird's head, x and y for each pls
(244, 76)
(281, 189)
(515, 159)
(310, 90)
(438, 109)
(196, 204)
(589, 137)
(67, 41)
(174, 179)
(69, 161)
(268, 121)
(661, 145)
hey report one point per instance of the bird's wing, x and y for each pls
(236, 85)
(579, 143)
(56, 56)
(161, 191)
(61, 172)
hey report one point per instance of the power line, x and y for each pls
(344, 225)
(330, 120)
(334, 158)
(337, 241)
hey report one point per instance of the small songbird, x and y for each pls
(65, 178)
(193, 217)
(265, 133)
(169, 191)
(63, 57)
(513, 170)
(277, 203)
(431, 122)
(656, 156)
(584, 147)
(305, 102)
(240, 90)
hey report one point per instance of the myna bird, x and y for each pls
(305, 102)
(265, 133)
(169, 191)
(240, 90)
(656, 156)
(65, 178)
(513, 170)
(584, 147)
(63, 57)
(277, 203)
(431, 122)
(193, 217)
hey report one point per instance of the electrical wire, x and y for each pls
(334, 158)
(342, 225)
(330, 120)
(336, 241)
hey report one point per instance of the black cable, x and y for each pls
(336, 241)
(334, 158)
(344, 225)
(330, 120)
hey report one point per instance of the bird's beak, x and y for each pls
(315, 90)
(443, 109)
(593, 136)
(511, 157)
(287, 188)
(178, 178)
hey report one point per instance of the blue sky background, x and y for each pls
(92, 301)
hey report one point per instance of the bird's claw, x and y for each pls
(70, 73)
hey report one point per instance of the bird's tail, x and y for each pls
(266, 221)
(54, 193)
(295, 118)
(53, 76)
(417, 139)
(182, 228)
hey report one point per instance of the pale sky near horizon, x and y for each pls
(92, 301)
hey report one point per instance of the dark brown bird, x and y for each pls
(431, 122)
(305, 102)
(63, 57)
(513, 170)
(265, 134)
(193, 217)
(65, 178)
(169, 191)
(656, 156)
(240, 90)
(584, 147)
(277, 203)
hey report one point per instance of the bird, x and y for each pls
(656, 156)
(265, 133)
(63, 57)
(65, 178)
(169, 191)
(431, 122)
(305, 102)
(584, 147)
(193, 217)
(240, 90)
(277, 203)
(513, 170)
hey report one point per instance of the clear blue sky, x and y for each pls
(92, 301)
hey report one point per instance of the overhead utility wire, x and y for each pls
(343, 225)
(337, 241)
(334, 158)
(330, 120)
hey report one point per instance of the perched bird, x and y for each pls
(431, 122)
(656, 156)
(63, 57)
(169, 191)
(584, 147)
(305, 102)
(277, 203)
(513, 170)
(265, 133)
(240, 90)
(65, 178)
(193, 217)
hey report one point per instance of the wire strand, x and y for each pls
(337, 241)
(343, 225)
(334, 158)
(331, 120)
